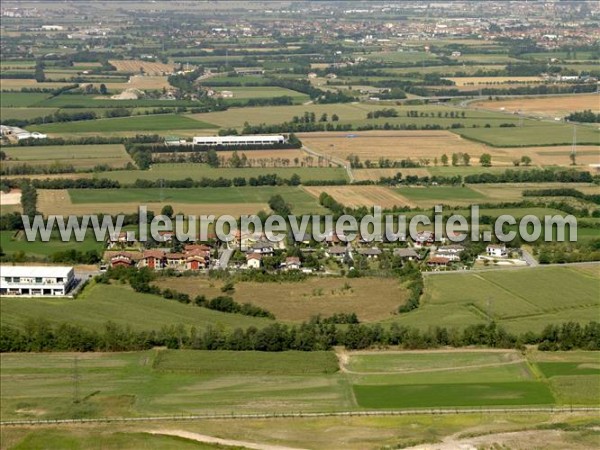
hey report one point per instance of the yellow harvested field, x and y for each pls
(471, 81)
(141, 82)
(370, 299)
(134, 66)
(58, 201)
(268, 154)
(10, 198)
(513, 192)
(546, 156)
(7, 84)
(395, 145)
(376, 174)
(356, 196)
(556, 106)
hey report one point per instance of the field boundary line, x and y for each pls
(358, 413)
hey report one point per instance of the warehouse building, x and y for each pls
(36, 280)
(255, 139)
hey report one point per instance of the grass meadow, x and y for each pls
(553, 295)
(100, 304)
(160, 381)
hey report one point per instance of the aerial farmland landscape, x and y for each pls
(285, 225)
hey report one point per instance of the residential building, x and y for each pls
(496, 250)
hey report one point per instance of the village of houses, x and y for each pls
(250, 251)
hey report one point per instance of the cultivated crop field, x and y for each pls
(357, 196)
(58, 201)
(80, 156)
(541, 134)
(556, 106)
(191, 381)
(264, 92)
(137, 66)
(376, 174)
(159, 122)
(553, 295)
(299, 301)
(475, 81)
(395, 145)
(196, 171)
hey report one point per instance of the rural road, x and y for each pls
(224, 258)
(332, 159)
(213, 440)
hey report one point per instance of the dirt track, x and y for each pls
(213, 440)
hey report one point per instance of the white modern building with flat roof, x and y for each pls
(254, 139)
(36, 280)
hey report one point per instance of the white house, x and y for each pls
(496, 250)
(253, 260)
(256, 139)
(36, 280)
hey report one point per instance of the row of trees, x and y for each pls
(38, 335)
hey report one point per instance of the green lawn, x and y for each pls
(246, 92)
(24, 113)
(66, 152)
(553, 369)
(159, 122)
(100, 304)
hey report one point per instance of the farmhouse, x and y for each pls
(253, 260)
(438, 261)
(256, 139)
(291, 263)
(36, 280)
(371, 253)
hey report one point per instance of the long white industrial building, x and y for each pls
(253, 139)
(36, 280)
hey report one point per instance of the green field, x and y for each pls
(100, 304)
(79, 156)
(299, 199)
(544, 134)
(159, 381)
(25, 113)
(227, 362)
(243, 92)
(21, 100)
(16, 242)
(519, 300)
(159, 122)
(453, 394)
(197, 171)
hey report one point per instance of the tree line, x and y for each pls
(39, 335)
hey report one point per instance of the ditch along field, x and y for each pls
(554, 106)
(136, 66)
(297, 302)
(40, 385)
(79, 156)
(553, 295)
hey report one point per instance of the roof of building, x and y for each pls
(406, 253)
(369, 251)
(35, 271)
(336, 250)
(438, 260)
(254, 256)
